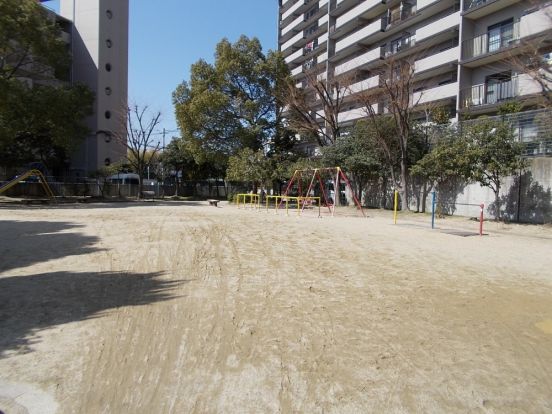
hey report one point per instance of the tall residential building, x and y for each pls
(460, 47)
(97, 32)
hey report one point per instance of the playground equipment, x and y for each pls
(434, 208)
(25, 175)
(254, 200)
(317, 184)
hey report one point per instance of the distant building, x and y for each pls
(460, 47)
(97, 32)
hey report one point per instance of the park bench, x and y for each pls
(148, 194)
(213, 202)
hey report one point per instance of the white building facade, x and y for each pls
(461, 51)
(97, 34)
(460, 46)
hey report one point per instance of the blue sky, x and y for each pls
(167, 36)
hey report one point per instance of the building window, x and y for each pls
(108, 67)
(108, 91)
(109, 14)
(107, 114)
(108, 43)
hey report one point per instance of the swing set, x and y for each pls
(310, 188)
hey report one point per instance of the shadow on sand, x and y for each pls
(29, 304)
(25, 243)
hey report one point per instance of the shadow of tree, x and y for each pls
(529, 198)
(447, 193)
(29, 304)
(25, 243)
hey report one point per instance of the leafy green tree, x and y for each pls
(495, 153)
(231, 104)
(356, 154)
(43, 124)
(30, 40)
(250, 166)
(179, 159)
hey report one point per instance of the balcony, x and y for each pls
(398, 46)
(367, 9)
(359, 62)
(438, 93)
(356, 37)
(445, 60)
(495, 42)
(490, 93)
(355, 114)
(296, 9)
(294, 41)
(364, 85)
(295, 25)
(476, 9)
(434, 31)
(396, 16)
(297, 71)
(294, 57)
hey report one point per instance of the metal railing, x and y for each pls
(394, 17)
(396, 47)
(471, 4)
(491, 41)
(490, 93)
(532, 128)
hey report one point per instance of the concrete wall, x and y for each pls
(532, 200)
(100, 38)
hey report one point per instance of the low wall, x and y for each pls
(525, 198)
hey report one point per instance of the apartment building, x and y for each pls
(460, 48)
(96, 31)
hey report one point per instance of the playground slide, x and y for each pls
(26, 175)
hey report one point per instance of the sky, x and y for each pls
(167, 36)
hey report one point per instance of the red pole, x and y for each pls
(352, 192)
(481, 208)
(323, 192)
(288, 188)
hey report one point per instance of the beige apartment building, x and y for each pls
(96, 31)
(460, 47)
(462, 52)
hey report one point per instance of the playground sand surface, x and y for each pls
(186, 308)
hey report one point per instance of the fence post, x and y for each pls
(481, 209)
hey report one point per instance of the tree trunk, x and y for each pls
(425, 190)
(497, 203)
(404, 185)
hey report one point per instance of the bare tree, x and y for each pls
(533, 54)
(142, 146)
(313, 110)
(394, 98)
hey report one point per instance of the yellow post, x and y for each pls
(396, 206)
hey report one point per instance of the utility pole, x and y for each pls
(164, 139)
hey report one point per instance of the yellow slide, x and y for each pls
(26, 175)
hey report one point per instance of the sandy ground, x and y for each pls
(153, 308)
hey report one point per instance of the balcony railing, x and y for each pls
(394, 17)
(490, 93)
(492, 41)
(398, 46)
(471, 4)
